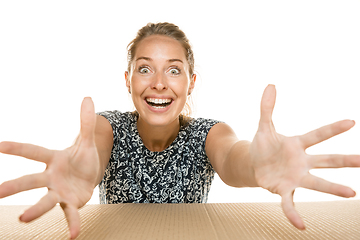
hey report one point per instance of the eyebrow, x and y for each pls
(149, 59)
(145, 58)
(175, 60)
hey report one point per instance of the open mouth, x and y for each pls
(158, 103)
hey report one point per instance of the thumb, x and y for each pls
(87, 119)
(267, 106)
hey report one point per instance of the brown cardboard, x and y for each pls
(324, 220)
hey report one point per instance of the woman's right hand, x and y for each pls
(70, 175)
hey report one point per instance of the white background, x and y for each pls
(52, 54)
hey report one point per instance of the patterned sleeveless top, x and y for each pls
(182, 173)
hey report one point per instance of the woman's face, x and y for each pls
(159, 81)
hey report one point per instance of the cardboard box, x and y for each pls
(324, 220)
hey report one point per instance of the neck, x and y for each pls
(158, 138)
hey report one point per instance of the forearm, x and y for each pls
(103, 144)
(237, 170)
(102, 158)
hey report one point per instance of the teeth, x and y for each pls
(157, 107)
(158, 101)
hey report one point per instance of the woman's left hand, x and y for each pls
(281, 164)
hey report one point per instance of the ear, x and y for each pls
(127, 79)
(192, 84)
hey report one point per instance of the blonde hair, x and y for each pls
(170, 30)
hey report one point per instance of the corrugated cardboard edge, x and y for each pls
(324, 220)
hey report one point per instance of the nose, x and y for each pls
(159, 82)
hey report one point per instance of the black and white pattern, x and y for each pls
(182, 173)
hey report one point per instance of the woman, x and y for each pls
(159, 154)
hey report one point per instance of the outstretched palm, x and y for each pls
(70, 174)
(281, 164)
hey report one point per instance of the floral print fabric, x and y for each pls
(182, 173)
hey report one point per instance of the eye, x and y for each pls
(144, 70)
(175, 71)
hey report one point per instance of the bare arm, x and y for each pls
(104, 143)
(71, 174)
(275, 162)
(230, 157)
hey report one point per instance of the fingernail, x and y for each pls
(21, 215)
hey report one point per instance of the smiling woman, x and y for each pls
(159, 154)
(174, 33)
(156, 74)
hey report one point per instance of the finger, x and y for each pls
(88, 119)
(321, 185)
(290, 212)
(73, 219)
(334, 161)
(26, 150)
(267, 106)
(23, 183)
(45, 204)
(325, 132)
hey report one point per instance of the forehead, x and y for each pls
(160, 47)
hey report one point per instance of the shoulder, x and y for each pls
(221, 136)
(198, 129)
(116, 116)
(221, 132)
(117, 121)
(201, 124)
